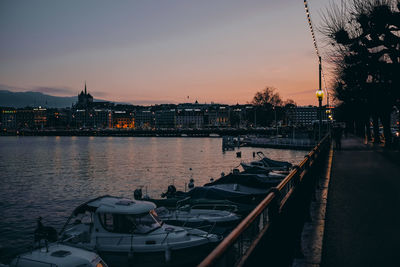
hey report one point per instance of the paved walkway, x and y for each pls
(363, 211)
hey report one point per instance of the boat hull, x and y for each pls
(180, 257)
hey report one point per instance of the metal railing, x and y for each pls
(238, 245)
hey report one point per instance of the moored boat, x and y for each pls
(57, 254)
(239, 188)
(265, 165)
(125, 231)
(213, 221)
(203, 203)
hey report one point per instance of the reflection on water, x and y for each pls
(50, 176)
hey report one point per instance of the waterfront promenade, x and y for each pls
(362, 226)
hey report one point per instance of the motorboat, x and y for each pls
(58, 254)
(187, 216)
(126, 232)
(244, 185)
(213, 221)
(241, 188)
(203, 203)
(265, 165)
(255, 180)
(237, 187)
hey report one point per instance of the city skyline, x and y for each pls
(153, 52)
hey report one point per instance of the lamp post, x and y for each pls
(276, 123)
(320, 96)
(255, 117)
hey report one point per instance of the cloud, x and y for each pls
(11, 88)
(303, 92)
(54, 90)
(63, 91)
(147, 102)
(99, 94)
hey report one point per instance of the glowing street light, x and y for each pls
(320, 96)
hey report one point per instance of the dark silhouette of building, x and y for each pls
(89, 114)
(85, 100)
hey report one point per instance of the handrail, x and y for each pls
(230, 240)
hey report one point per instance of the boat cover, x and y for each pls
(274, 163)
(210, 192)
(247, 179)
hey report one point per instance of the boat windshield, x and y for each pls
(130, 223)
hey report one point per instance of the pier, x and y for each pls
(336, 208)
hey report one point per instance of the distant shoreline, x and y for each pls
(213, 133)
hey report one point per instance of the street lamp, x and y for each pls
(276, 123)
(320, 96)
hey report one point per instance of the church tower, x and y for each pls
(84, 99)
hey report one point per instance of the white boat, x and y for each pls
(60, 255)
(125, 232)
(213, 220)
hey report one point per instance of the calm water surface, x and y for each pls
(50, 176)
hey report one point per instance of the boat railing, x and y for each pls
(238, 245)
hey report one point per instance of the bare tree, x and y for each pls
(267, 98)
(364, 38)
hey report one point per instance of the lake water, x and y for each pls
(50, 176)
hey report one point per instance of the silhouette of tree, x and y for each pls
(269, 104)
(365, 50)
(289, 103)
(267, 98)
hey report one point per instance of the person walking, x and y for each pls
(337, 136)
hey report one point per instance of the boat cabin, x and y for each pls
(116, 215)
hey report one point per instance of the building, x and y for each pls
(88, 114)
(189, 118)
(123, 120)
(100, 118)
(305, 116)
(165, 118)
(216, 116)
(25, 118)
(85, 100)
(8, 119)
(40, 117)
(58, 118)
(145, 119)
(78, 118)
(238, 116)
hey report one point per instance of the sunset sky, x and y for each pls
(164, 51)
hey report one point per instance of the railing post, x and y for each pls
(273, 210)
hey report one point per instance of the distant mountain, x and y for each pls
(34, 99)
